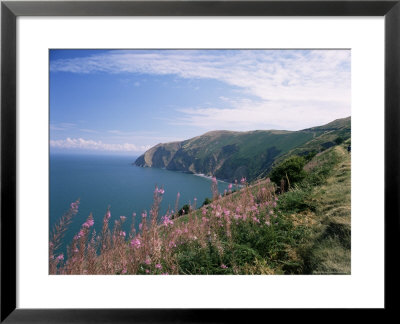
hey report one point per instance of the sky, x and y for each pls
(126, 101)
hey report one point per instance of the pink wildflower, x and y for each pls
(148, 261)
(122, 233)
(223, 266)
(167, 221)
(160, 191)
(136, 243)
(158, 266)
(60, 257)
(147, 271)
(124, 271)
(89, 223)
(107, 217)
(74, 206)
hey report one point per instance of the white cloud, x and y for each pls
(268, 74)
(245, 116)
(85, 130)
(80, 143)
(62, 126)
(290, 89)
(148, 137)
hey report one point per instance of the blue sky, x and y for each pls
(125, 101)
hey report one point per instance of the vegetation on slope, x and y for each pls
(258, 228)
(233, 155)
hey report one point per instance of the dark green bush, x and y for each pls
(339, 140)
(184, 210)
(207, 201)
(291, 168)
(308, 157)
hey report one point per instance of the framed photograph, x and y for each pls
(162, 159)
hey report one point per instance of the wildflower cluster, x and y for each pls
(212, 237)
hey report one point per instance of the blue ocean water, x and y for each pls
(102, 181)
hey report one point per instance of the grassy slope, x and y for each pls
(319, 242)
(330, 251)
(326, 136)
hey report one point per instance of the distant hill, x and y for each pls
(231, 155)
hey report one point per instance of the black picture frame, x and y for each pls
(10, 10)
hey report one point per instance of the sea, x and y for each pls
(109, 181)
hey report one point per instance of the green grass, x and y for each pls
(330, 250)
(311, 233)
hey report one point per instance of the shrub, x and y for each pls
(291, 168)
(339, 140)
(308, 157)
(184, 210)
(207, 201)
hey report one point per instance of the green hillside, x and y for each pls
(313, 225)
(232, 155)
(255, 228)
